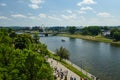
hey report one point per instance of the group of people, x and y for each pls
(62, 74)
(59, 73)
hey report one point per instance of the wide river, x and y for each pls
(100, 59)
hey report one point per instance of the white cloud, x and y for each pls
(86, 2)
(69, 11)
(72, 16)
(54, 18)
(32, 17)
(34, 6)
(3, 4)
(81, 12)
(86, 8)
(104, 14)
(3, 17)
(18, 16)
(37, 1)
(42, 15)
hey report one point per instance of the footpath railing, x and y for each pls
(82, 70)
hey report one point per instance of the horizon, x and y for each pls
(62, 26)
(59, 12)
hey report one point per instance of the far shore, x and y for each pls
(98, 38)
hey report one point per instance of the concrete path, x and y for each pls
(61, 71)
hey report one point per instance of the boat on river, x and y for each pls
(62, 40)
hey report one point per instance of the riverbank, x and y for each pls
(74, 68)
(61, 72)
(92, 38)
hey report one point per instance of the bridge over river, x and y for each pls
(42, 33)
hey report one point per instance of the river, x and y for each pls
(100, 59)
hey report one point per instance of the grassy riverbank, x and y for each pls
(70, 67)
(98, 38)
(91, 38)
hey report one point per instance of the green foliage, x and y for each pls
(22, 41)
(116, 35)
(85, 31)
(114, 30)
(72, 29)
(63, 53)
(105, 28)
(13, 35)
(91, 30)
(36, 37)
(23, 61)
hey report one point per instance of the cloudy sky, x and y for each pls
(59, 12)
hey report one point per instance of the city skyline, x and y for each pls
(59, 12)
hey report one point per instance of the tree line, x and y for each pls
(96, 30)
(22, 57)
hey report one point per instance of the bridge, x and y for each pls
(42, 33)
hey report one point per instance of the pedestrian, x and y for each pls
(57, 62)
(51, 61)
(62, 75)
(97, 78)
(74, 78)
(80, 78)
(55, 68)
(65, 77)
(71, 78)
(61, 70)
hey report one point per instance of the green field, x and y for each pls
(98, 38)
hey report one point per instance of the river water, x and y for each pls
(100, 59)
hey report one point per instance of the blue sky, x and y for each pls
(59, 12)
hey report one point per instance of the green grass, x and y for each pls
(70, 67)
(98, 38)
(115, 43)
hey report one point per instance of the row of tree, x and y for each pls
(22, 57)
(115, 34)
(92, 30)
(95, 30)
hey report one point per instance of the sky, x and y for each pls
(59, 12)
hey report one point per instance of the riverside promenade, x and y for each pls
(70, 74)
(61, 71)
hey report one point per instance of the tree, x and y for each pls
(105, 28)
(85, 31)
(63, 53)
(91, 30)
(72, 29)
(23, 40)
(23, 62)
(13, 35)
(36, 37)
(94, 30)
(114, 30)
(116, 35)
